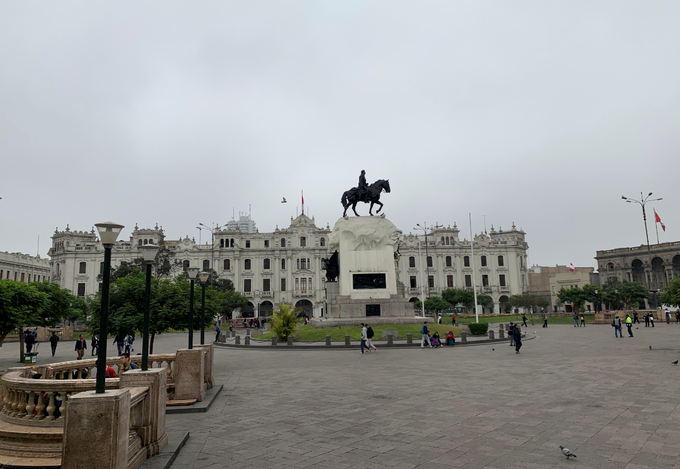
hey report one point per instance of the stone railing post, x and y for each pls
(247, 341)
(247, 332)
(190, 374)
(491, 334)
(274, 341)
(222, 338)
(501, 331)
(347, 341)
(96, 430)
(409, 338)
(290, 340)
(463, 336)
(209, 359)
(237, 340)
(390, 340)
(328, 341)
(153, 434)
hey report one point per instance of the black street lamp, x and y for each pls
(203, 277)
(108, 233)
(149, 252)
(191, 272)
(642, 202)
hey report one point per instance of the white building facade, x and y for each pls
(23, 267)
(284, 266)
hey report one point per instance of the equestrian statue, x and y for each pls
(365, 193)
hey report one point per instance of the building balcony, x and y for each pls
(266, 294)
(248, 294)
(303, 293)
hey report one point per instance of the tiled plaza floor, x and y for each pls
(613, 402)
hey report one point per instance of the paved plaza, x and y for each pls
(613, 402)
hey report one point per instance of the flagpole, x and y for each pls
(474, 272)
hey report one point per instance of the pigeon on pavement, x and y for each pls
(675, 362)
(566, 452)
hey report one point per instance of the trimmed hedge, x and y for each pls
(478, 328)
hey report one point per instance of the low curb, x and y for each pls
(203, 406)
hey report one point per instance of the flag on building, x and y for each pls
(303, 202)
(658, 220)
(571, 267)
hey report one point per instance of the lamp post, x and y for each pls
(108, 233)
(149, 252)
(422, 292)
(203, 277)
(426, 255)
(191, 272)
(642, 202)
(201, 226)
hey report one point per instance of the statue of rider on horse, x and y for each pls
(365, 193)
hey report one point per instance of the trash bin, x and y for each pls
(30, 359)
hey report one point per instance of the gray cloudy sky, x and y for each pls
(541, 113)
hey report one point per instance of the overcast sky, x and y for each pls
(533, 112)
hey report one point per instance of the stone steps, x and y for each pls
(28, 446)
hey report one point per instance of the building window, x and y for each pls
(22, 276)
(146, 241)
(449, 281)
(413, 282)
(266, 243)
(485, 280)
(283, 242)
(447, 240)
(500, 261)
(206, 265)
(466, 261)
(483, 261)
(81, 289)
(443, 240)
(247, 244)
(297, 284)
(246, 285)
(303, 284)
(322, 242)
(429, 261)
(266, 284)
(283, 264)
(468, 280)
(232, 242)
(227, 264)
(185, 265)
(101, 267)
(246, 264)
(501, 280)
(303, 263)
(283, 284)
(411, 261)
(265, 265)
(430, 281)
(448, 261)
(303, 242)
(83, 267)
(221, 243)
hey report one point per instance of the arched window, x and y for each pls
(466, 261)
(185, 265)
(139, 242)
(146, 241)
(429, 261)
(246, 264)
(227, 264)
(206, 264)
(232, 243)
(221, 243)
(447, 240)
(500, 261)
(265, 264)
(448, 261)
(483, 261)
(283, 242)
(322, 242)
(83, 267)
(303, 242)
(443, 240)
(283, 264)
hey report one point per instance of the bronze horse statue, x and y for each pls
(372, 195)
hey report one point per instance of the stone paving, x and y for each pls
(613, 402)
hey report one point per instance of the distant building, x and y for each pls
(244, 224)
(547, 281)
(23, 267)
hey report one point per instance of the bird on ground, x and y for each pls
(566, 452)
(284, 200)
(675, 362)
(493, 349)
(650, 347)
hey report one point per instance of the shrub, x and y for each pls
(478, 328)
(285, 321)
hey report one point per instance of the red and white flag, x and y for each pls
(658, 220)
(303, 202)
(571, 267)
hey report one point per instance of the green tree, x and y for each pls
(670, 295)
(484, 300)
(572, 295)
(285, 320)
(457, 296)
(20, 305)
(434, 304)
(631, 293)
(163, 266)
(61, 305)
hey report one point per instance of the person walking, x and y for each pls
(545, 319)
(364, 338)
(95, 345)
(30, 339)
(646, 316)
(439, 319)
(651, 318)
(583, 320)
(636, 319)
(575, 318)
(629, 325)
(81, 345)
(524, 320)
(119, 340)
(677, 316)
(668, 316)
(517, 337)
(425, 336)
(617, 327)
(369, 338)
(54, 338)
(511, 333)
(453, 319)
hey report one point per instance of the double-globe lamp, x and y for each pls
(191, 273)
(108, 234)
(149, 252)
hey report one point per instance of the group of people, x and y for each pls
(253, 323)
(576, 320)
(616, 324)
(367, 338)
(434, 340)
(515, 334)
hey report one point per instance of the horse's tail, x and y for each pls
(343, 201)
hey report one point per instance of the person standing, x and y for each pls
(511, 333)
(524, 320)
(439, 319)
(517, 337)
(81, 345)
(369, 338)
(617, 327)
(95, 344)
(636, 319)
(651, 318)
(668, 316)
(364, 337)
(575, 318)
(119, 340)
(629, 325)
(425, 336)
(54, 338)
(453, 319)
(545, 319)
(646, 316)
(30, 339)
(583, 320)
(217, 332)
(677, 316)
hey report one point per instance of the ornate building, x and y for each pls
(23, 268)
(285, 265)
